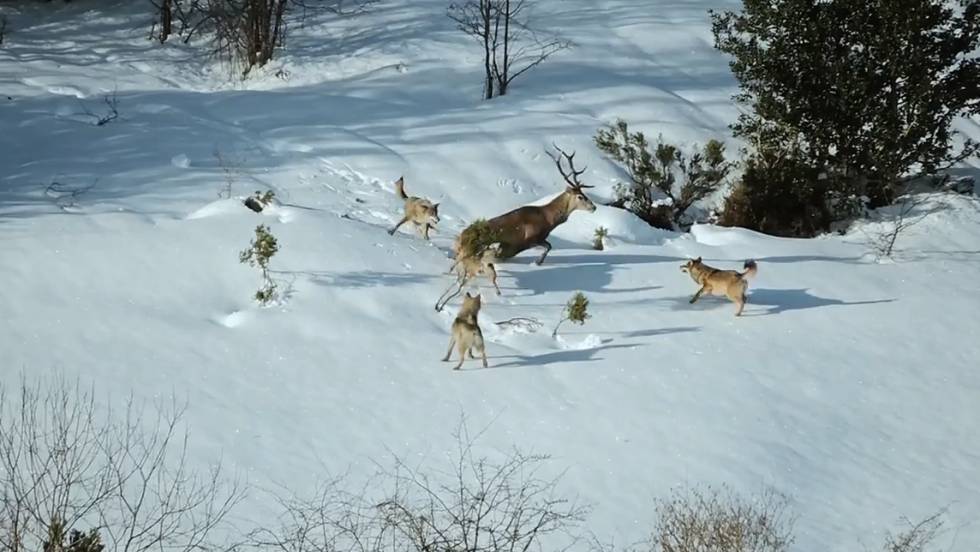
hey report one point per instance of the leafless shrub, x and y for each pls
(713, 520)
(332, 519)
(917, 536)
(337, 7)
(111, 113)
(478, 505)
(65, 195)
(232, 168)
(247, 32)
(66, 463)
(521, 324)
(909, 209)
(511, 46)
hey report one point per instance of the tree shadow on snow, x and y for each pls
(652, 332)
(559, 357)
(364, 279)
(586, 277)
(661, 331)
(610, 258)
(811, 258)
(783, 259)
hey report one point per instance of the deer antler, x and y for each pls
(571, 179)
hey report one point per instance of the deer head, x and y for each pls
(577, 198)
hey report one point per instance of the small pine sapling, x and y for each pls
(600, 234)
(259, 201)
(261, 250)
(576, 310)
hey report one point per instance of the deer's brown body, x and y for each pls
(529, 226)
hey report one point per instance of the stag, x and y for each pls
(530, 225)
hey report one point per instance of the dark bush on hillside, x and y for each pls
(782, 198)
(869, 90)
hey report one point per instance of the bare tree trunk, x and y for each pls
(166, 20)
(510, 46)
(485, 9)
(504, 76)
(278, 28)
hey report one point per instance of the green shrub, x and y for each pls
(868, 89)
(662, 170)
(259, 253)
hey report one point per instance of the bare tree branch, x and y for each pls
(510, 46)
(65, 462)
(474, 504)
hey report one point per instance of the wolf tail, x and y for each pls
(400, 187)
(750, 269)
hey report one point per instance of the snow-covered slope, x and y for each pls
(849, 384)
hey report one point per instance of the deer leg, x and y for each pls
(547, 248)
(401, 222)
(698, 294)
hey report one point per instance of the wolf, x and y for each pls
(469, 267)
(421, 212)
(466, 332)
(713, 281)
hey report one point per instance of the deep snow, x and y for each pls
(849, 384)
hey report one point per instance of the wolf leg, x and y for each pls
(452, 341)
(401, 222)
(698, 294)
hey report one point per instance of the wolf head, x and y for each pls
(471, 304)
(690, 264)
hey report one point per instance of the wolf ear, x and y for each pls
(698, 260)
(468, 296)
(436, 207)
